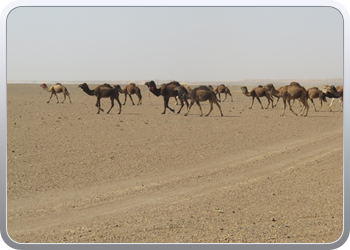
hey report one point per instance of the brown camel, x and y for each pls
(167, 90)
(197, 95)
(336, 92)
(188, 88)
(104, 91)
(330, 95)
(291, 92)
(222, 89)
(56, 89)
(130, 90)
(314, 93)
(256, 93)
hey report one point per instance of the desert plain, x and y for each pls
(251, 176)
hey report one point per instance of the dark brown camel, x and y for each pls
(197, 95)
(222, 89)
(104, 91)
(167, 90)
(56, 89)
(256, 93)
(314, 93)
(132, 89)
(329, 94)
(336, 92)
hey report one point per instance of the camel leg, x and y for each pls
(119, 103)
(312, 101)
(284, 107)
(132, 100)
(182, 104)
(268, 102)
(225, 97)
(320, 106)
(140, 100)
(290, 107)
(277, 101)
(330, 105)
(218, 107)
(69, 98)
(112, 104)
(219, 97)
(53, 93)
(252, 102)
(98, 105)
(231, 96)
(64, 97)
(176, 102)
(211, 108)
(306, 107)
(188, 108)
(200, 108)
(166, 102)
(260, 102)
(125, 98)
(341, 104)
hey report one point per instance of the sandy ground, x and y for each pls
(140, 176)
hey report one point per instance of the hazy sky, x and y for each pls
(177, 43)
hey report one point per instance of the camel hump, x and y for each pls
(58, 84)
(132, 84)
(107, 85)
(294, 84)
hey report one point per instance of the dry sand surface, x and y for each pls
(140, 176)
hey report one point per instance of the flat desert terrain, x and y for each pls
(143, 177)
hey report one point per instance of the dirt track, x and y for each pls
(250, 176)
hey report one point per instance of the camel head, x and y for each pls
(325, 86)
(244, 90)
(44, 86)
(151, 85)
(83, 86)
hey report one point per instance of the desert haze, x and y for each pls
(143, 177)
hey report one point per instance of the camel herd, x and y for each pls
(186, 95)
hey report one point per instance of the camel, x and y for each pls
(256, 93)
(103, 91)
(197, 95)
(314, 93)
(56, 89)
(188, 88)
(167, 90)
(130, 90)
(291, 92)
(223, 90)
(330, 95)
(336, 92)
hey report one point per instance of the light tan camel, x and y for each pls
(291, 92)
(314, 93)
(330, 95)
(257, 93)
(104, 91)
(197, 95)
(132, 89)
(56, 89)
(222, 89)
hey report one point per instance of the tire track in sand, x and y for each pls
(58, 209)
